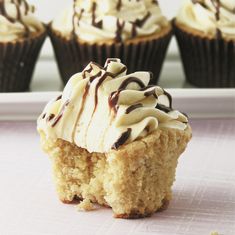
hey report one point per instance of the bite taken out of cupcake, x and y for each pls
(205, 30)
(21, 38)
(114, 140)
(134, 31)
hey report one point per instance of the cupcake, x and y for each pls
(134, 31)
(114, 140)
(205, 31)
(21, 38)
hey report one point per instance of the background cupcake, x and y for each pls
(21, 38)
(205, 30)
(134, 31)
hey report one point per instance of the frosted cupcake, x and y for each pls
(114, 140)
(205, 30)
(21, 38)
(134, 31)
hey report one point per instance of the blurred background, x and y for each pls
(47, 10)
(46, 76)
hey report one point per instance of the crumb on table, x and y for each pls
(214, 233)
(85, 205)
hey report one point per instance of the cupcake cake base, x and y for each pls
(135, 180)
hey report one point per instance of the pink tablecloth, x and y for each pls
(204, 192)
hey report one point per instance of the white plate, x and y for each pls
(197, 103)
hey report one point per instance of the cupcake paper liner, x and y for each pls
(207, 62)
(17, 62)
(72, 56)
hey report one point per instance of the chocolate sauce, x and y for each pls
(44, 115)
(101, 80)
(114, 96)
(141, 22)
(60, 115)
(133, 30)
(120, 27)
(94, 23)
(113, 99)
(108, 61)
(133, 107)
(122, 139)
(18, 18)
(58, 98)
(122, 70)
(169, 98)
(80, 16)
(119, 5)
(86, 71)
(129, 80)
(217, 6)
(164, 108)
(73, 19)
(151, 93)
(50, 117)
(201, 3)
(155, 2)
(219, 34)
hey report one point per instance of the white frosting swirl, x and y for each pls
(98, 20)
(103, 108)
(209, 16)
(17, 20)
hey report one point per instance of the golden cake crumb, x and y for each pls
(85, 205)
(214, 233)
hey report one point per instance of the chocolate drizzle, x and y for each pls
(114, 96)
(120, 27)
(101, 80)
(61, 113)
(133, 107)
(151, 93)
(113, 100)
(122, 139)
(18, 4)
(73, 19)
(217, 5)
(50, 117)
(141, 22)
(86, 71)
(164, 108)
(94, 23)
(58, 98)
(108, 61)
(122, 70)
(133, 30)
(119, 5)
(129, 80)
(169, 98)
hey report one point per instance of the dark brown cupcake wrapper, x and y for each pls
(17, 62)
(207, 62)
(73, 56)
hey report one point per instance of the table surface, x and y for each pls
(203, 194)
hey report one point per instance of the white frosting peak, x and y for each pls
(209, 16)
(102, 108)
(94, 21)
(17, 20)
